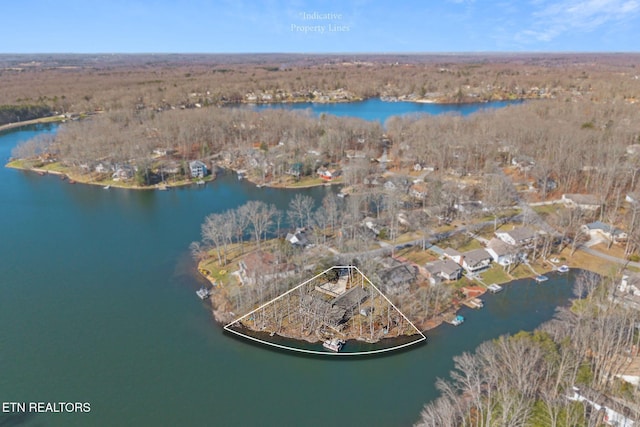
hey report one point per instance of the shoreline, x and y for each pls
(113, 184)
(50, 119)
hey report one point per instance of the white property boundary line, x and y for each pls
(326, 353)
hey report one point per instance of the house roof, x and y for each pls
(398, 275)
(197, 164)
(445, 266)
(476, 256)
(450, 252)
(500, 248)
(599, 225)
(520, 234)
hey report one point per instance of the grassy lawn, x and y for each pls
(546, 209)
(495, 274)
(417, 255)
(589, 262)
(521, 272)
(615, 250)
(470, 245)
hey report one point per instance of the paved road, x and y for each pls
(609, 257)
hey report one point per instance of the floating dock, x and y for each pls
(494, 288)
(541, 278)
(203, 293)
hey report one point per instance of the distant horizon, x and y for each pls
(426, 53)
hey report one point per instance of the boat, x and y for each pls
(334, 344)
(494, 288)
(200, 182)
(458, 320)
(563, 269)
(203, 293)
(541, 278)
(106, 187)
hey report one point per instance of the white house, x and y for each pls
(599, 228)
(501, 252)
(601, 402)
(517, 237)
(476, 260)
(446, 269)
(198, 169)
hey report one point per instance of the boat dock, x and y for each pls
(494, 288)
(541, 278)
(474, 303)
(203, 293)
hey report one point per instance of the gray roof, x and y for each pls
(452, 252)
(445, 266)
(521, 234)
(398, 275)
(476, 256)
(501, 248)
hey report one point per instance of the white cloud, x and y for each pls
(552, 19)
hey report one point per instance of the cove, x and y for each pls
(375, 109)
(98, 304)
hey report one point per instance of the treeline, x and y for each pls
(157, 83)
(19, 113)
(527, 379)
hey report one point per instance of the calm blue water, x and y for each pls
(376, 109)
(97, 304)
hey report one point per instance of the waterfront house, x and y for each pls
(598, 228)
(517, 237)
(476, 260)
(197, 169)
(445, 269)
(260, 267)
(502, 252)
(587, 202)
(328, 174)
(124, 173)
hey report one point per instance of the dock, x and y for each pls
(203, 293)
(474, 303)
(494, 288)
(541, 278)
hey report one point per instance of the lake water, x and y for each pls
(376, 109)
(98, 305)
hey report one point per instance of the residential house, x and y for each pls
(124, 173)
(517, 237)
(502, 252)
(619, 417)
(396, 280)
(328, 174)
(259, 266)
(587, 202)
(418, 190)
(454, 255)
(298, 238)
(372, 225)
(476, 260)
(445, 269)
(197, 169)
(600, 229)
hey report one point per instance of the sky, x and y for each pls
(314, 26)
